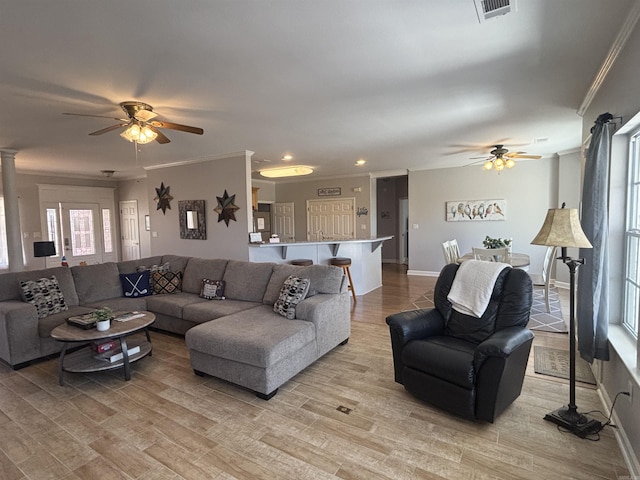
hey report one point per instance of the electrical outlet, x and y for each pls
(630, 390)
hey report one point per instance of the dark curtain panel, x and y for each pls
(593, 276)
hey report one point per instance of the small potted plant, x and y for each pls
(103, 318)
(489, 242)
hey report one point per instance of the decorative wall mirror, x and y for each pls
(193, 223)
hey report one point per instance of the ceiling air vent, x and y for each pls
(487, 9)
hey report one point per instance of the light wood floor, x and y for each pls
(167, 423)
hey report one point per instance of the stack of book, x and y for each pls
(115, 355)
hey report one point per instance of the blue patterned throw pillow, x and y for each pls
(45, 295)
(292, 293)
(136, 284)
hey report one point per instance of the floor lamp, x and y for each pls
(562, 229)
(44, 249)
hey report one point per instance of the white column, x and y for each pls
(12, 214)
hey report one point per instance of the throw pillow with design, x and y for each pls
(212, 289)
(292, 293)
(136, 284)
(45, 295)
(167, 282)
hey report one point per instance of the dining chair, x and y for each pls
(543, 279)
(455, 250)
(491, 254)
(446, 250)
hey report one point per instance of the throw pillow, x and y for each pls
(165, 267)
(45, 295)
(292, 292)
(136, 284)
(167, 282)
(212, 289)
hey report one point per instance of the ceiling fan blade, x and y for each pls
(518, 155)
(97, 116)
(161, 138)
(177, 126)
(108, 129)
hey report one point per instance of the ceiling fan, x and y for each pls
(501, 158)
(140, 124)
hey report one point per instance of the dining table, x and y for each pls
(516, 260)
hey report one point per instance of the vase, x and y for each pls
(103, 325)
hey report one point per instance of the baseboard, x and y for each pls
(423, 273)
(623, 440)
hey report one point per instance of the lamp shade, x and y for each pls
(562, 228)
(44, 249)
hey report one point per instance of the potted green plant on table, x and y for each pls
(103, 318)
(489, 242)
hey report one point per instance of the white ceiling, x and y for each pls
(404, 84)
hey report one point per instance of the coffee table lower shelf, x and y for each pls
(83, 361)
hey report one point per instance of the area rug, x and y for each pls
(540, 319)
(555, 363)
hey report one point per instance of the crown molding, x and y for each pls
(208, 158)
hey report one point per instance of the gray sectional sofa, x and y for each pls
(239, 339)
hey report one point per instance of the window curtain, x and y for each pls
(593, 277)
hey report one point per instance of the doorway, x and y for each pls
(130, 230)
(331, 219)
(284, 221)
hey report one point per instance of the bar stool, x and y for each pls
(345, 264)
(302, 262)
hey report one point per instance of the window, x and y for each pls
(52, 229)
(4, 254)
(106, 230)
(82, 239)
(631, 302)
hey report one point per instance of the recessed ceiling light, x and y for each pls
(286, 158)
(286, 171)
(360, 162)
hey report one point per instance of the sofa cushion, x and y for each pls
(292, 292)
(212, 289)
(167, 282)
(136, 284)
(10, 283)
(177, 263)
(199, 268)
(323, 279)
(172, 305)
(97, 282)
(47, 324)
(45, 295)
(204, 311)
(247, 280)
(257, 337)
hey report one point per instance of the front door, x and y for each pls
(129, 230)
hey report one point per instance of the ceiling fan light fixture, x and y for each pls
(293, 171)
(139, 134)
(488, 165)
(510, 163)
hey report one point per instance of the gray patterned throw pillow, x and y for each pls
(292, 292)
(45, 295)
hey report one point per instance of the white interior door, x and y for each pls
(331, 219)
(130, 230)
(284, 221)
(81, 233)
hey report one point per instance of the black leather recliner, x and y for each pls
(472, 367)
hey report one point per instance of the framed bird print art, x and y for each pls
(476, 210)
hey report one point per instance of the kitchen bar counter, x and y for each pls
(365, 255)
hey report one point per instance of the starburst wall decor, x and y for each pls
(226, 209)
(163, 197)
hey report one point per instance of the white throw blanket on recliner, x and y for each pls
(472, 286)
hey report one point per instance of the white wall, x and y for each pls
(203, 181)
(529, 190)
(267, 192)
